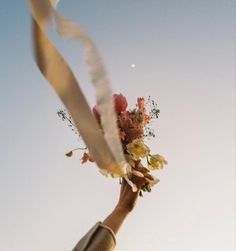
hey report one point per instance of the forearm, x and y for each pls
(116, 218)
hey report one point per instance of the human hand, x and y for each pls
(128, 198)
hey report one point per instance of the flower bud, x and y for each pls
(120, 103)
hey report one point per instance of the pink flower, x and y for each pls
(132, 127)
(120, 103)
(141, 104)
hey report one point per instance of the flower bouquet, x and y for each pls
(113, 135)
(134, 127)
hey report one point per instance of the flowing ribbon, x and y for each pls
(105, 147)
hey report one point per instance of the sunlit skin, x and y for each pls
(127, 200)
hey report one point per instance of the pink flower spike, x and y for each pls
(120, 103)
(141, 104)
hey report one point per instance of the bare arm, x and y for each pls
(127, 201)
(102, 235)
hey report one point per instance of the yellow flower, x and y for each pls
(156, 162)
(137, 149)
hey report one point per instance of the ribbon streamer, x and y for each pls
(105, 147)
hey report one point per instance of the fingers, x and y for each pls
(141, 177)
(137, 173)
(149, 177)
(142, 172)
(139, 181)
(142, 181)
(141, 169)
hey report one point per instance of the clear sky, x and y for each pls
(184, 53)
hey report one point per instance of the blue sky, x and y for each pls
(184, 53)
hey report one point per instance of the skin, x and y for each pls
(127, 200)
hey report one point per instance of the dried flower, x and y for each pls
(130, 123)
(85, 158)
(156, 162)
(69, 154)
(141, 104)
(137, 149)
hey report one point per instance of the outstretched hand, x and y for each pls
(128, 198)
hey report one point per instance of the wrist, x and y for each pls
(116, 218)
(121, 210)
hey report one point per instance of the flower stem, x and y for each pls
(79, 148)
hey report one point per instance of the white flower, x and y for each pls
(156, 162)
(137, 149)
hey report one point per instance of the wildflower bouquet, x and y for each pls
(118, 154)
(133, 125)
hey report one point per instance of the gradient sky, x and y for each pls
(184, 53)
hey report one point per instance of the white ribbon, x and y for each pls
(105, 147)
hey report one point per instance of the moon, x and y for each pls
(133, 65)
